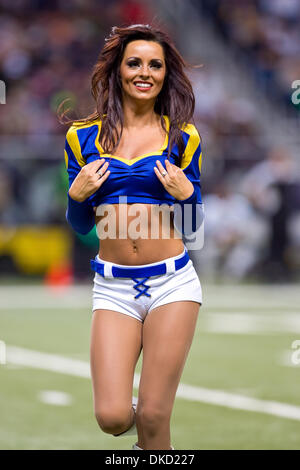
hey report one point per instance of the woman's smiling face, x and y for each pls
(143, 69)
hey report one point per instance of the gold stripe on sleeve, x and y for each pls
(73, 141)
(191, 146)
(66, 159)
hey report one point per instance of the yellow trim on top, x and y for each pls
(133, 160)
(73, 141)
(66, 159)
(83, 125)
(97, 144)
(191, 146)
(190, 149)
(200, 162)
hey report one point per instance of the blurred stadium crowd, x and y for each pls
(266, 33)
(251, 190)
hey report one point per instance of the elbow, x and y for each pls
(189, 219)
(79, 229)
(82, 229)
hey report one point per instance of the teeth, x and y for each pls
(144, 85)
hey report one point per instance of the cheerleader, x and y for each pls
(134, 170)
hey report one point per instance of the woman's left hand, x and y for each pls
(174, 180)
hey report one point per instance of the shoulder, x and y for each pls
(192, 140)
(77, 127)
(72, 143)
(81, 135)
(191, 131)
(71, 133)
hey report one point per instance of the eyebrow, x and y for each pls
(138, 58)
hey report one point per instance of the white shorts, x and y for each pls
(119, 294)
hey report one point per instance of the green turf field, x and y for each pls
(242, 347)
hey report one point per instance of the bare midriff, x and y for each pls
(153, 240)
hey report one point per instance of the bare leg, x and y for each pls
(167, 336)
(116, 341)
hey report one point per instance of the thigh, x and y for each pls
(167, 336)
(116, 341)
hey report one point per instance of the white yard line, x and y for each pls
(64, 365)
(55, 398)
(51, 362)
(250, 323)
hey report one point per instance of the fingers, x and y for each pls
(173, 170)
(95, 165)
(96, 168)
(159, 176)
(170, 168)
(173, 179)
(102, 169)
(97, 172)
(102, 179)
(102, 173)
(161, 173)
(162, 170)
(168, 174)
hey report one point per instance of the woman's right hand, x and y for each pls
(89, 180)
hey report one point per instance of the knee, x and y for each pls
(151, 418)
(113, 420)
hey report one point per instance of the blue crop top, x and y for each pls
(133, 178)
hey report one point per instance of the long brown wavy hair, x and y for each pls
(176, 98)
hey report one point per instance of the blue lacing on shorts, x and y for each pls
(137, 287)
